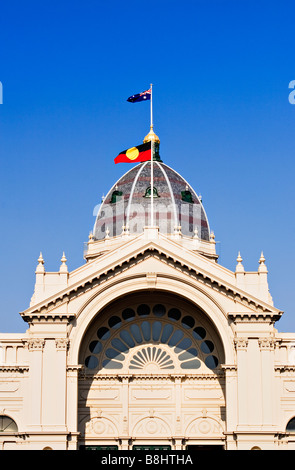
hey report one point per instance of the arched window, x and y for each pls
(147, 337)
(291, 425)
(7, 424)
(186, 196)
(148, 192)
(116, 196)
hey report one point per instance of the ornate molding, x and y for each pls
(267, 344)
(255, 317)
(36, 344)
(241, 343)
(139, 378)
(14, 368)
(285, 368)
(62, 344)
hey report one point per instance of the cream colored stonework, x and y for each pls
(62, 388)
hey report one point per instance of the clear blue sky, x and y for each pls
(220, 70)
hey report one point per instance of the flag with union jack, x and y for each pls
(145, 95)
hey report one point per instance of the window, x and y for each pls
(186, 196)
(116, 196)
(162, 338)
(7, 424)
(291, 425)
(148, 192)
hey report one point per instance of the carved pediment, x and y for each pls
(109, 267)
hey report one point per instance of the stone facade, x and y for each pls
(150, 343)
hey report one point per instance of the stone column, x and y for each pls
(35, 346)
(241, 347)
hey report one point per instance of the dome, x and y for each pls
(127, 206)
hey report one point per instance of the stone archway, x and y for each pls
(149, 365)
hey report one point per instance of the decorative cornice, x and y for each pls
(255, 317)
(14, 368)
(285, 368)
(147, 377)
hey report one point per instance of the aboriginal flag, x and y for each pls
(145, 95)
(141, 153)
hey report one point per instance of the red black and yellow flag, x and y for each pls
(141, 153)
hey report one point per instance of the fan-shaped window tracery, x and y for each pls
(151, 338)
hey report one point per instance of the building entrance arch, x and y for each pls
(150, 364)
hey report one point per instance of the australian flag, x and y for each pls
(145, 95)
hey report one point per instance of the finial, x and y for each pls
(239, 258)
(212, 237)
(196, 233)
(262, 268)
(90, 237)
(239, 267)
(40, 268)
(151, 137)
(40, 259)
(107, 233)
(63, 267)
(261, 259)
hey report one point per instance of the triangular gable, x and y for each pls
(166, 250)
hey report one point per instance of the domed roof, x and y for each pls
(127, 205)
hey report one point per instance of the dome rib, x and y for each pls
(128, 203)
(171, 192)
(132, 192)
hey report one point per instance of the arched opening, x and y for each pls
(7, 424)
(291, 426)
(150, 363)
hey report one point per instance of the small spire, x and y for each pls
(40, 259)
(151, 137)
(262, 268)
(90, 237)
(212, 237)
(63, 268)
(239, 267)
(40, 268)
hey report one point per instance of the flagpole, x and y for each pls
(152, 162)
